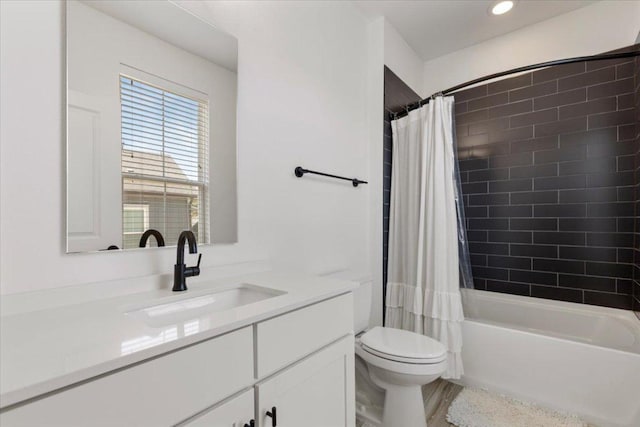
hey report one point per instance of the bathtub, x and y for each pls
(571, 357)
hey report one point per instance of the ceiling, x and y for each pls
(437, 27)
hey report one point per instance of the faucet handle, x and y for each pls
(192, 271)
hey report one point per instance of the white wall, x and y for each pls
(376, 152)
(597, 28)
(402, 59)
(302, 100)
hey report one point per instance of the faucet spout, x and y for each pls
(193, 246)
(181, 271)
(151, 232)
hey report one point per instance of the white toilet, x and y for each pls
(400, 362)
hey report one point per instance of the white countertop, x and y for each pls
(44, 350)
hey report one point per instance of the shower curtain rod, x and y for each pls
(456, 88)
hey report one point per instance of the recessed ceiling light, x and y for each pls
(502, 7)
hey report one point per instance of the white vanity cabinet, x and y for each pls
(315, 392)
(300, 362)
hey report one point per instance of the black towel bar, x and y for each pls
(300, 171)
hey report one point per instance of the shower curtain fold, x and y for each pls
(423, 288)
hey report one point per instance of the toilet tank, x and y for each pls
(362, 297)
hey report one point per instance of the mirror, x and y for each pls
(151, 126)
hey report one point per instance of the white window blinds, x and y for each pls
(165, 158)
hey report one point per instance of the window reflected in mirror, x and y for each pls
(165, 156)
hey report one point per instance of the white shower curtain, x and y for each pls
(423, 288)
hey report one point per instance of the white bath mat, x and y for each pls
(480, 408)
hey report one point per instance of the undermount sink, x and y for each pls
(171, 310)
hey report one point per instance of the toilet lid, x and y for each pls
(403, 346)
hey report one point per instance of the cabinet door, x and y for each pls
(235, 412)
(317, 391)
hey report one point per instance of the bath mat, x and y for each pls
(480, 408)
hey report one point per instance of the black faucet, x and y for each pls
(180, 270)
(151, 232)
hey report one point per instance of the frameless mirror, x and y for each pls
(151, 126)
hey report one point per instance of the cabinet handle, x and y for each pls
(272, 414)
(252, 423)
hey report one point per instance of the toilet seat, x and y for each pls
(403, 346)
(399, 367)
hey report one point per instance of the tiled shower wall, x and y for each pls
(396, 95)
(547, 161)
(636, 270)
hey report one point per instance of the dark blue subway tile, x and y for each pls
(587, 282)
(608, 300)
(510, 186)
(539, 251)
(489, 224)
(596, 165)
(612, 240)
(510, 236)
(534, 224)
(489, 175)
(474, 187)
(473, 164)
(559, 266)
(610, 209)
(534, 197)
(550, 169)
(537, 277)
(623, 271)
(489, 248)
(602, 194)
(559, 238)
(508, 287)
(516, 159)
(589, 253)
(555, 293)
(490, 273)
(562, 210)
(510, 211)
(518, 263)
(560, 182)
(489, 199)
(587, 224)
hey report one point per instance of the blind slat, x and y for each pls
(134, 102)
(137, 98)
(132, 85)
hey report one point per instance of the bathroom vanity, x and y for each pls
(271, 348)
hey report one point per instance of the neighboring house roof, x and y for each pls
(144, 171)
(151, 165)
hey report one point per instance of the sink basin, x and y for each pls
(179, 309)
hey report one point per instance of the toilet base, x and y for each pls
(403, 407)
(403, 404)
